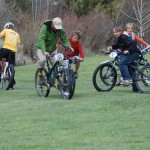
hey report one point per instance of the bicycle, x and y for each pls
(61, 72)
(6, 74)
(107, 74)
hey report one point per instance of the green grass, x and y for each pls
(115, 120)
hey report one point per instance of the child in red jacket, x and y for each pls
(78, 51)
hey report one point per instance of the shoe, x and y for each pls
(136, 91)
(10, 87)
(127, 82)
(76, 74)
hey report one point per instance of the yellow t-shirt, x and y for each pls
(11, 39)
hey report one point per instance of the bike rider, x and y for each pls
(129, 49)
(50, 32)
(10, 46)
(78, 50)
(129, 31)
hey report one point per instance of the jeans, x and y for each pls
(125, 62)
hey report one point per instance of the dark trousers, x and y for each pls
(8, 54)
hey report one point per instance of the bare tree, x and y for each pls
(141, 14)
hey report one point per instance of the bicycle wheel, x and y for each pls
(142, 80)
(42, 89)
(73, 82)
(0, 72)
(8, 78)
(66, 85)
(104, 77)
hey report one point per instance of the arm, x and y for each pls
(42, 38)
(2, 34)
(64, 39)
(129, 44)
(116, 45)
(139, 40)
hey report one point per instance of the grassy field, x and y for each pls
(115, 120)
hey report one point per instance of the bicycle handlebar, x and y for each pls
(146, 50)
(64, 45)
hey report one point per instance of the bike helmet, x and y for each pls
(8, 25)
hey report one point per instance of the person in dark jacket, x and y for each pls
(130, 50)
(50, 32)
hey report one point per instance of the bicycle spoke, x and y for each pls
(104, 77)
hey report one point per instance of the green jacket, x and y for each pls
(47, 38)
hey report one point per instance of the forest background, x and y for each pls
(94, 18)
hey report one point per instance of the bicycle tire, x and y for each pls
(7, 80)
(0, 72)
(66, 85)
(44, 88)
(142, 80)
(104, 77)
(73, 83)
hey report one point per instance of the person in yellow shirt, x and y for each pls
(10, 46)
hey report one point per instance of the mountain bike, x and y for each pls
(60, 76)
(107, 74)
(6, 74)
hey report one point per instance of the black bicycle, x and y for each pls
(61, 76)
(107, 74)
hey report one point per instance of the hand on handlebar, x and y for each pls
(46, 54)
(126, 52)
(71, 49)
(109, 48)
(148, 46)
(81, 59)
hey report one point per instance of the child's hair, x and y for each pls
(129, 25)
(118, 29)
(78, 33)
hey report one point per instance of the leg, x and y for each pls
(11, 60)
(77, 65)
(42, 59)
(124, 68)
(132, 71)
(40, 64)
(125, 62)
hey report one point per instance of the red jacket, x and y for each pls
(77, 49)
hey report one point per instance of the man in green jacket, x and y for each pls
(50, 32)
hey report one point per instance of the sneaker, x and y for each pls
(10, 87)
(127, 82)
(76, 74)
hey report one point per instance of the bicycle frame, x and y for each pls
(4, 66)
